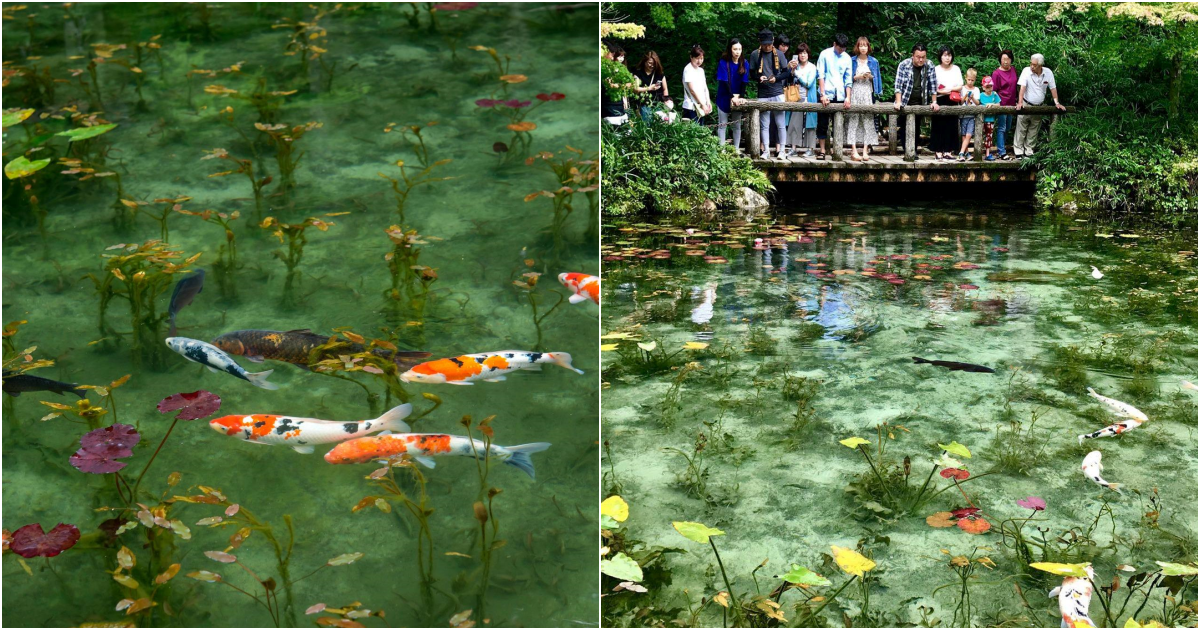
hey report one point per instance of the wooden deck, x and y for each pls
(892, 168)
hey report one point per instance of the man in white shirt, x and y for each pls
(833, 75)
(1034, 82)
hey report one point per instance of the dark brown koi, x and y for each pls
(295, 347)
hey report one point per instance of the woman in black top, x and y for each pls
(653, 88)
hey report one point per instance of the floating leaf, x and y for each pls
(22, 167)
(166, 576)
(615, 507)
(802, 576)
(16, 116)
(608, 347)
(1032, 503)
(618, 335)
(205, 576)
(140, 605)
(221, 556)
(851, 561)
(314, 609)
(941, 519)
(1172, 568)
(648, 347)
(956, 473)
(954, 448)
(974, 525)
(946, 461)
(696, 532)
(31, 542)
(126, 559)
(621, 567)
(126, 581)
(695, 345)
(1073, 570)
(84, 133)
(102, 448)
(853, 442)
(513, 78)
(346, 558)
(194, 405)
(722, 598)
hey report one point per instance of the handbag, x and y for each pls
(791, 93)
(956, 97)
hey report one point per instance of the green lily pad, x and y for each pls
(608, 522)
(802, 576)
(83, 133)
(1058, 568)
(954, 448)
(1172, 568)
(696, 532)
(622, 567)
(22, 167)
(16, 116)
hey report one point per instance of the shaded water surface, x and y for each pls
(372, 71)
(774, 340)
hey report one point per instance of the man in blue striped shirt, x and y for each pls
(833, 76)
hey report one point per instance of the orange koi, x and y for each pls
(585, 287)
(422, 447)
(486, 366)
(302, 433)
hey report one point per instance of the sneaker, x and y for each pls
(990, 158)
(809, 153)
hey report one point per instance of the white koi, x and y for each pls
(1091, 470)
(1118, 407)
(1074, 600)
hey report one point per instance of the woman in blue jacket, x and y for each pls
(860, 128)
(733, 72)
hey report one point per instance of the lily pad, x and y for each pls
(853, 442)
(1172, 568)
(16, 116)
(851, 561)
(84, 133)
(802, 576)
(103, 447)
(615, 507)
(22, 167)
(954, 448)
(696, 532)
(194, 405)
(621, 567)
(31, 542)
(1058, 568)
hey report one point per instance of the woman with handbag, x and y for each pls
(860, 128)
(943, 134)
(802, 129)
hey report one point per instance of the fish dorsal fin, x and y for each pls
(301, 331)
(425, 461)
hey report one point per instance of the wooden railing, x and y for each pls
(839, 111)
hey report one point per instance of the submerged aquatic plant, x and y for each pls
(287, 155)
(529, 289)
(307, 42)
(515, 110)
(411, 281)
(145, 272)
(572, 175)
(700, 533)
(645, 358)
(293, 234)
(226, 263)
(404, 186)
(964, 567)
(244, 167)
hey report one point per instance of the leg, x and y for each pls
(781, 127)
(1031, 134)
(722, 123)
(764, 132)
(1019, 137)
(822, 129)
(736, 117)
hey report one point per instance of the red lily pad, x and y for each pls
(31, 542)
(103, 447)
(967, 287)
(964, 512)
(455, 6)
(500, 147)
(194, 405)
(553, 96)
(956, 473)
(974, 525)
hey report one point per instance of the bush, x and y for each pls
(671, 168)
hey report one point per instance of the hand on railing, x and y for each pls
(847, 105)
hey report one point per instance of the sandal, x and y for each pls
(820, 155)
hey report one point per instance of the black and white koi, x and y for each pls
(1074, 599)
(1091, 470)
(1116, 428)
(216, 360)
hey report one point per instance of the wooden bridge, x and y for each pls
(887, 164)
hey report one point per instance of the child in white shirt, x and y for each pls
(966, 124)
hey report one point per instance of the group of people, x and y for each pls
(845, 76)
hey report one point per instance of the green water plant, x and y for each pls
(293, 235)
(671, 404)
(703, 534)
(285, 140)
(306, 41)
(403, 187)
(24, 171)
(694, 479)
(629, 569)
(227, 262)
(1079, 543)
(964, 567)
(242, 167)
(572, 174)
(528, 288)
(1015, 449)
(411, 281)
(140, 274)
(484, 508)
(645, 358)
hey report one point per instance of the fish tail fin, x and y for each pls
(1115, 486)
(564, 359)
(1092, 392)
(405, 359)
(259, 379)
(920, 360)
(393, 419)
(520, 456)
(79, 391)
(172, 332)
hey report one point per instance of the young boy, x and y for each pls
(966, 124)
(989, 98)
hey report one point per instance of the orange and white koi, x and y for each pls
(1074, 599)
(302, 433)
(1118, 407)
(423, 447)
(585, 287)
(485, 366)
(1116, 428)
(1091, 469)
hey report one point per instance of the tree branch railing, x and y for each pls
(840, 111)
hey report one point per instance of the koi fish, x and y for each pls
(1092, 468)
(955, 365)
(295, 346)
(214, 359)
(1188, 385)
(302, 433)
(1112, 429)
(15, 384)
(486, 366)
(185, 291)
(1074, 600)
(1096, 273)
(422, 447)
(585, 287)
(1118, 407)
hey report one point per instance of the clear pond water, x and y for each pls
(372, 71)
(775, 339)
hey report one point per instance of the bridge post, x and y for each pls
(839, 136)
(1053, 124)
(978, 139)
(893, 120)
(755, 142)
(910, 138)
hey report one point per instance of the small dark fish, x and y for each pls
(15, 384)
(294, 346)
(185, 291)
(955, 365)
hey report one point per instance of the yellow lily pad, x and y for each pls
(851, 561)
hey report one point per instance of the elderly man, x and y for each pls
(915, 85)
(1034, 82)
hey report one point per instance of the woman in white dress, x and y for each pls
(860, 128)
(802, 128)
